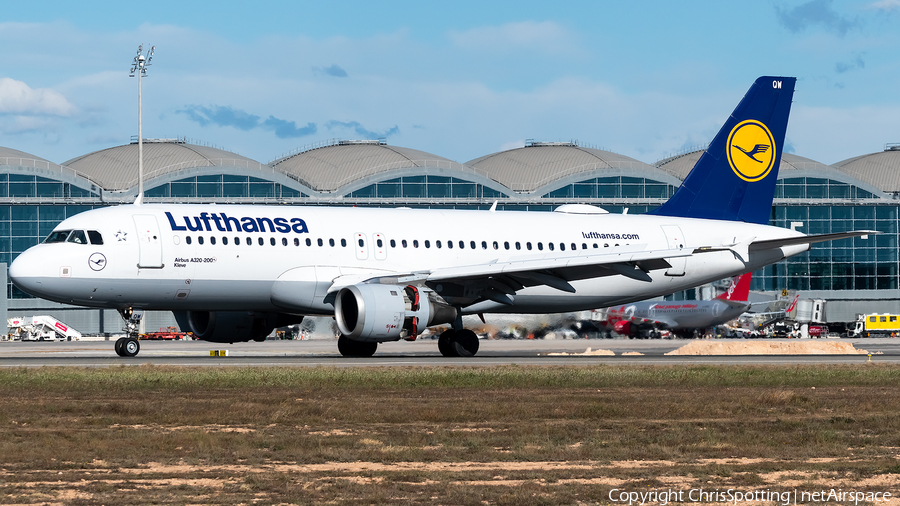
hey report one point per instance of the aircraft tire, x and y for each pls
(444, 344)
(130, 347)
(464, 343)
(118, 346)
(352, 348)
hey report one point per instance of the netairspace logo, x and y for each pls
(223, 223)
(732, 496)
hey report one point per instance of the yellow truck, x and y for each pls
(876, 325)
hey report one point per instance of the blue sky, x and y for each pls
(458, 79)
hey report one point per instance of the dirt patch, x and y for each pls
(586, 353)
(768, 348)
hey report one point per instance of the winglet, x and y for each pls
(735, 178)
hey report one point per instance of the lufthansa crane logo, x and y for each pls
(751, 150)
(97, 261)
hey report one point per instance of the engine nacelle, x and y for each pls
(372, 312)
(623, 327)
(228, 326)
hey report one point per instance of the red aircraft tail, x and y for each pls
(739, 290)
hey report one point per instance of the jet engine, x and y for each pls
(623, 327)
(228, 326)
(378, 313)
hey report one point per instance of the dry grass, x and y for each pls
(509, 435)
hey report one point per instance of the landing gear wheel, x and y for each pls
(351, 348)
(130, 347)
(444, 344)
(119, 346)
(465, 343)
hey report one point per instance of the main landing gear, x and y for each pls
(352, 348)
(458, 343)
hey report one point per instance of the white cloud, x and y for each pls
(885, 5)
(544, 37)
(17, 97)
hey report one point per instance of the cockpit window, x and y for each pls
(78, 237)
(57, 236)
(95, 237)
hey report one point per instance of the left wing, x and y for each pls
(501, 279)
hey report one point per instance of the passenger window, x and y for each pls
(393, 243)
(415, 243)
(249, 242)
(58, 236)
(472, 244)
(212, 240)
(187, 239)
(403, 243)
(518, 246)
(284, 241)
(320, 243)
(331, 242)
(540, 246)
(496, 246)
(528, 246)
(379, 242)
(562, 246)
(272, 241)
(296, 242)
(200, 240)
(309, 242)
(462, 245)
(437, 244)
(449, 244)
(574, 247)
(237, 241)
(261, 242)
(596, 245)
(550, 245)
(77, 237)
(427, 243)
(505, 244)
(483, 244)
(225, 241)
(361, 244)
(95, 237)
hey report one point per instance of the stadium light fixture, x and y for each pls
(139, 68)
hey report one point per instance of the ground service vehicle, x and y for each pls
(876, 325)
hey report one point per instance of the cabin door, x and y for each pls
(675, 241)
(149, 241)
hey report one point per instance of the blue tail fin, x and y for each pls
(735, 178)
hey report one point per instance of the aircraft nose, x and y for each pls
(26, 270)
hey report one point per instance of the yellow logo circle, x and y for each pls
(751, 150)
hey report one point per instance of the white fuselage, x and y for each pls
(230, 257)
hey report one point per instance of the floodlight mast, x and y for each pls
(139, 67)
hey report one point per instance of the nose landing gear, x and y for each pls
(129, 346)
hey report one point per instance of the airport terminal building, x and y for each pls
(853, 275)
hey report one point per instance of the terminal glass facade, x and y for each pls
(223, 186)
(623, 187)
(419, 187)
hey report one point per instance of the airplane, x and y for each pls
(233, 273)
(682, 317)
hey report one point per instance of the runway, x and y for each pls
(422, 353)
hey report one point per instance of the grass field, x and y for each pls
(504, 435)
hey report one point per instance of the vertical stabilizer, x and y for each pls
(739, 291)
(735, 178)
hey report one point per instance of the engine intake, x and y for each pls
(372, 312)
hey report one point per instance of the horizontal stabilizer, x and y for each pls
(807, 239)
